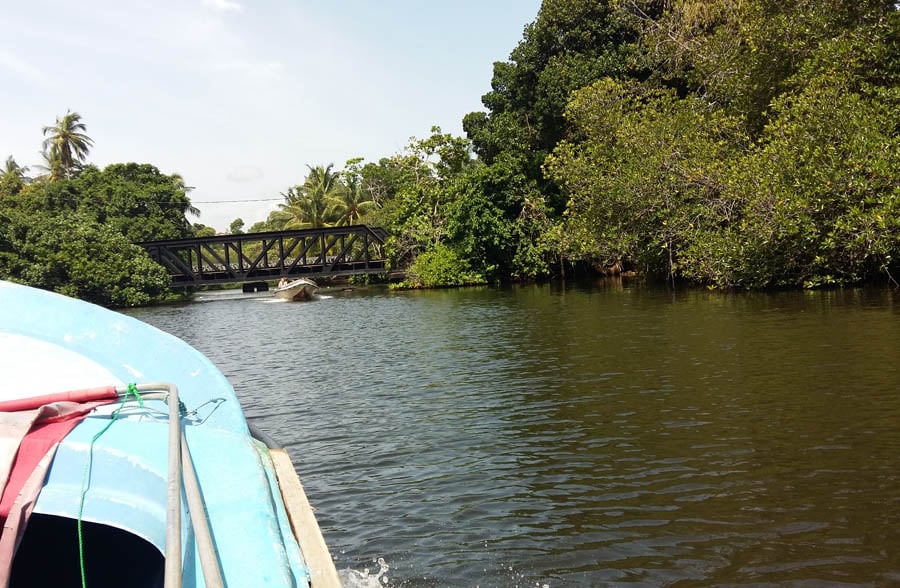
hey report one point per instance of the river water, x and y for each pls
(598, 435)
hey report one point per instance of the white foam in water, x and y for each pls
(356, 579)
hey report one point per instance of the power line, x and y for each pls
(229, 201)
(140, 200)
(79, 197)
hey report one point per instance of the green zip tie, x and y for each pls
(85, 477)
(132, 391)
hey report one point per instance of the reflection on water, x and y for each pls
(536, 436)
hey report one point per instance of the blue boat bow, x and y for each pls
(50, 343)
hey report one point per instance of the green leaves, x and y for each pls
(647, 176)
(307, 205)
(75, 236)
(66, 146)
(75, 256)
(441, 266)
(325, 198)
(138, 200)
(780, 168)
(827, 187)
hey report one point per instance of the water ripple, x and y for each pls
(599, 436)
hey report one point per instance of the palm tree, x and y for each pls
(12, 177)
(181, 185)
(305, 213)
(52, 166)
(352, 203)
(67, 143)
(13, 170)
(307, 205)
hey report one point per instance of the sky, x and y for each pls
(239, 96)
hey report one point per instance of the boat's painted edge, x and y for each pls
(323, 573)
(294, 554)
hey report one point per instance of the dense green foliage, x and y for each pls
(73, 229)
(137, 200)
(731, 143)
(785, 172)
(735, 144)
(74, 255)
(657, 162)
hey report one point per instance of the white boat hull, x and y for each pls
(298, 290)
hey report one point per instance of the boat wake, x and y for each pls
(356, 579)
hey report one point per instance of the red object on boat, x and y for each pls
(32, 429)
(46, 432)
(86, 395)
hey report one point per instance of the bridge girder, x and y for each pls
(224, 259)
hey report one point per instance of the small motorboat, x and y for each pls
(128, 462)
(297, 290)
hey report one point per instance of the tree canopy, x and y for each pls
(778, 168)
(74, 229)
(732, 143)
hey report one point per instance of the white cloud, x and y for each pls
(21, 67)
(223, 5)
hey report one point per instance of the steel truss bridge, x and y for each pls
(256, 257)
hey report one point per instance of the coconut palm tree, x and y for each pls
(12, 177)
(13, 171)
(307, 205)
(352, 203)
(181, 185)
(67, 143)
(304, 213)
(52, 166)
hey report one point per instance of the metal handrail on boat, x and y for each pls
(172, 574)
(181, 468)
(300, 514)
(209, 560)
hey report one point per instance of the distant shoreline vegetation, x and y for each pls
(730, 145)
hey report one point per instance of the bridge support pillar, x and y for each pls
(255, 287)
